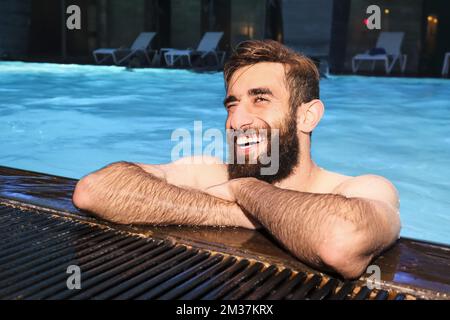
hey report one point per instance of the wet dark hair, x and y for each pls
(302, 75)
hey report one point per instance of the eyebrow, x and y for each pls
(260, 91)
(229, 99)
(250, 92)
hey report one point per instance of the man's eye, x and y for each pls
(260, 99)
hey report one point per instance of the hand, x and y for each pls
(227, 190)
(222, 191)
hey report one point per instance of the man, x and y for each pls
(326, 219)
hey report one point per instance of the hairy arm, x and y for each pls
(127, 193)
(326, 230)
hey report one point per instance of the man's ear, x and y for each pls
(309, 115)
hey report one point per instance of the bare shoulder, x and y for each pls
(371, 187)
(198, 172)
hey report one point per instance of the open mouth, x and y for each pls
(246, 142)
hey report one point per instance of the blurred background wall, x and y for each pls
(14, 27)
(330, 30)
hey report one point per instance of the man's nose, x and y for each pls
(240, 118)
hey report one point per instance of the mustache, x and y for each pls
(262, 126)
(250, 131)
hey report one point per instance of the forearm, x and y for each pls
(125, 193)
(305, 222)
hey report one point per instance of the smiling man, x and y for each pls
(326, 219)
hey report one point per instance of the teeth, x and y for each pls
(253, 139)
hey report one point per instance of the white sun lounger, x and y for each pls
(140, 45)
(207, 45)
(445, 65)
(391, 42)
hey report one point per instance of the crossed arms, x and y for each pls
(340, 231)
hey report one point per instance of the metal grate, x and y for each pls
(36, 248)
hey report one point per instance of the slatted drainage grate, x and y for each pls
(36, 248)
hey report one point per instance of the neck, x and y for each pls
(302, 176)
(304, 172)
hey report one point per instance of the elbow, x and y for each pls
(82, 195)
(345, 252)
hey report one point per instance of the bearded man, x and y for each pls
(327, 220)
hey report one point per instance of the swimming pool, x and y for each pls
(69, 119)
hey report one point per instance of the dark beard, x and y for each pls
(288, 155)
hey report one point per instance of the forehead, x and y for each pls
(260, 75)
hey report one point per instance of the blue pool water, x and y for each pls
(69, 120)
